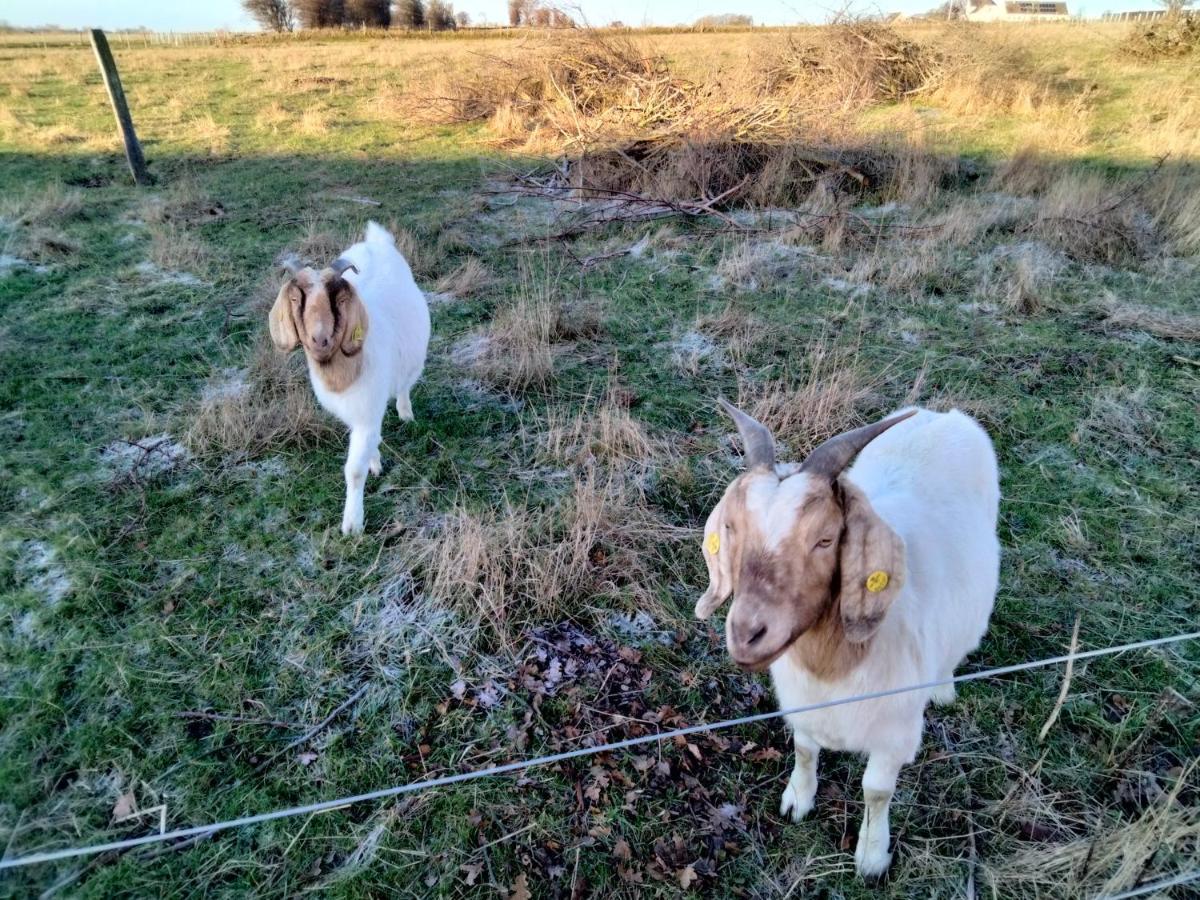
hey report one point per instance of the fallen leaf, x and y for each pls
(520, 888)
(306, 758)
(471, 871)
(621, 850)
(687, 876)
(459, 689)
(125, 806)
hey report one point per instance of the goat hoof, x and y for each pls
(796, 803)
(872, 860)
(351, 525)
(375, 466)
(943, 695)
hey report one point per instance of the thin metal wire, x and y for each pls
(1154, 886)
(446, 780)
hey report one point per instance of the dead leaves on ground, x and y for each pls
(573, 689)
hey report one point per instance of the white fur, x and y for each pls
(933, 478)
(394, 350)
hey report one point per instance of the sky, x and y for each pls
(208, 15)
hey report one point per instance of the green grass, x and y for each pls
(218, 582)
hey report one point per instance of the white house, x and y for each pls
(1015, 10)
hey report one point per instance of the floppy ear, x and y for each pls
(720, 555)
(281, 322)
(873, 566)
(354, 315)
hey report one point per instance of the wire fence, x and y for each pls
(199, 831)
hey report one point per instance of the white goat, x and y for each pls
(364, 325)
(852, 582)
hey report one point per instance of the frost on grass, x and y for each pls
(693, 352)
(41, 572)
(10, 264)
(153, 273)
(639, 627)
(230, 382)
(753, 266)
(144, 458)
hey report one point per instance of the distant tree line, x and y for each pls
(536, 14)
(726, 20)
(286, 15)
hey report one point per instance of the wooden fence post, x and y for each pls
(112, 81)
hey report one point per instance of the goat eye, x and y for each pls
(824, 542)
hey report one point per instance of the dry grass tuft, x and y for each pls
(806, 410)
(1158, 322)
(184, 203)
(174, 248)
(740, 332)
(51, 205)
(271, 408)
(469, 278)
(521, 564)
(517, 354)
(1091, 219)
(1113, 859)
(518, 351)
(1121, 418)
(604, 432)
(319, 244)
(416, 252)
(1019, 277)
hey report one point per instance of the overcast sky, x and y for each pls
(207, 15)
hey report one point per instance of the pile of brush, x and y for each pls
(1170, 36)
(627, 124)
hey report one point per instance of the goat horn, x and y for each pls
(831, 457)
(340, 265)
(756, 439)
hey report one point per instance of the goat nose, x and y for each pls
(323, 343)
(756, 636)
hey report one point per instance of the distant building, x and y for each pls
(1015, 10)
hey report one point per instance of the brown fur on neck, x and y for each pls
(824, 651)
(339, 372)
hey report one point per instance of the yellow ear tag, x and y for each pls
(713, 543)
(877, 581)
(356, 335)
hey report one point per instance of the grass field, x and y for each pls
(179, 607)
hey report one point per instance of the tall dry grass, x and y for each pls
(514, 565)
(269, 407)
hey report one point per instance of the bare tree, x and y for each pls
(410, 14)
(463, 19)
(1176, 8)
(441, 16)
(516, 12)
(271, 15)
(371, 13)
(320, 13)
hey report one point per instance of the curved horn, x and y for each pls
(340, 266)
(831, 457)
(756, 439)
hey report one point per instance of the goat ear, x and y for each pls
(872, 563)
(354, 314)
(281, 322)
(720, 552)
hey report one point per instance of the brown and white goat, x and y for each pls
(848, 581)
